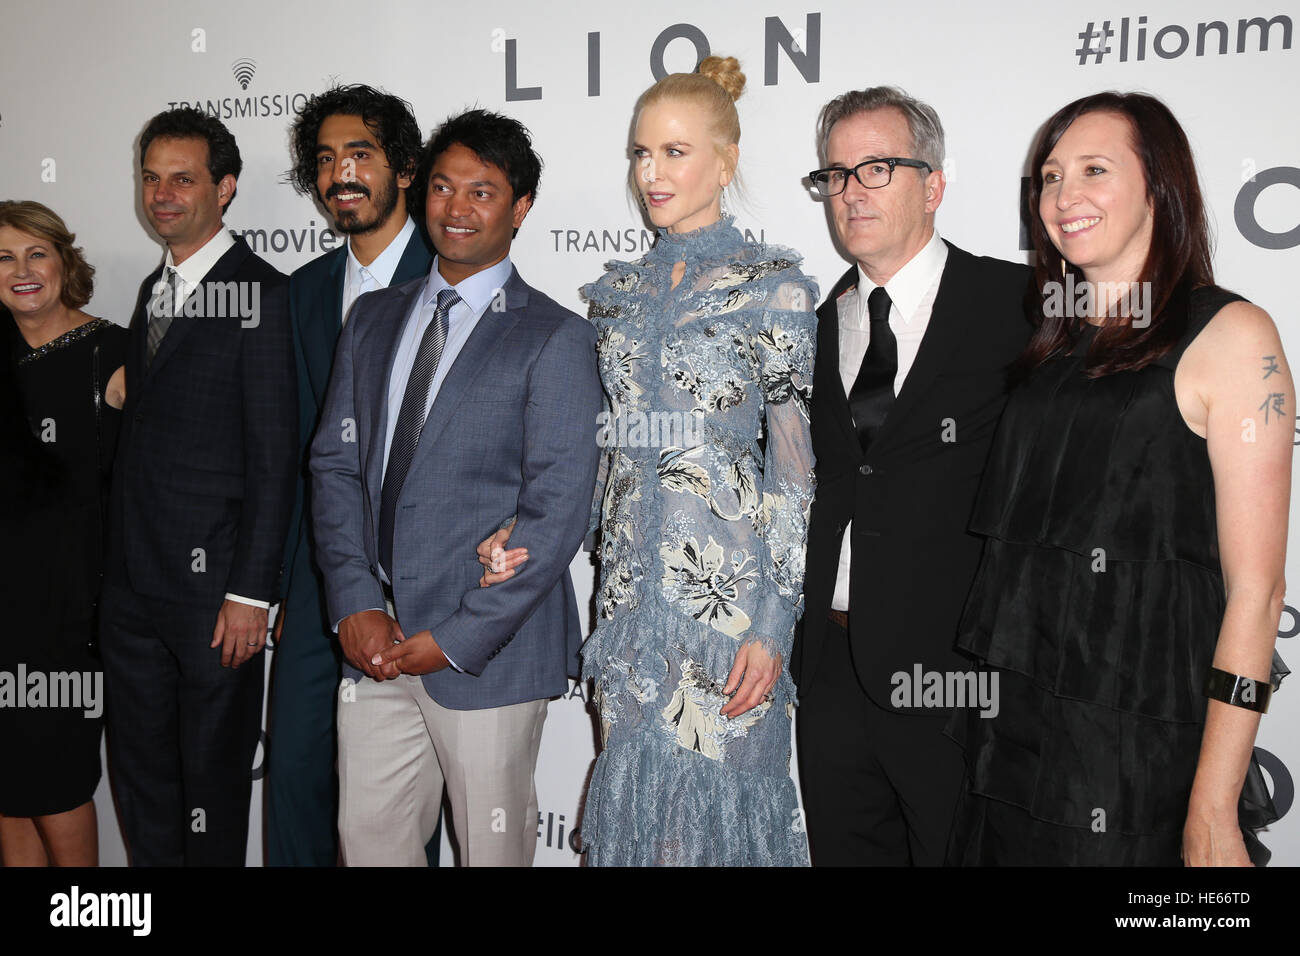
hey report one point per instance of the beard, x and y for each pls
(383, 200)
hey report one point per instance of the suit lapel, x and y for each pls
(375, 369)
(948, 319)
(486, 338)
(842, 297)
(415, 261)
(182, 325)
(320, 325)
(140, 332)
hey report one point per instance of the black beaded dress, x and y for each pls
(1097, 605)
(51, 495)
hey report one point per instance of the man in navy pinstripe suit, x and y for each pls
(202, 489)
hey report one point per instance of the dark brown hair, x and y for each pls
(1177, 261)
(44, 223)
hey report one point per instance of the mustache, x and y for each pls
(352, 187)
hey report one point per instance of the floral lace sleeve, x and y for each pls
(783, 345)
(602, 471)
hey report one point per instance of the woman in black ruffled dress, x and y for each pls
(60, 391)
(1135, 505)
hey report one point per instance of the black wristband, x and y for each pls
(1239, 691)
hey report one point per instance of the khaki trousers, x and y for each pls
(399, 749)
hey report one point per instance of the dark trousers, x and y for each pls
(302, 788)
(182, 732)
(879, 788)
(302, 784)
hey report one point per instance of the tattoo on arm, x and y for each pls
(1273, 407)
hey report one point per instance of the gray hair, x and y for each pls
(922, 120)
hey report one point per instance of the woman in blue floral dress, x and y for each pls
(706, 352)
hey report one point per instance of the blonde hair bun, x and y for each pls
(725, 71)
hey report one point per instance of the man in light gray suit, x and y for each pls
(456, 402)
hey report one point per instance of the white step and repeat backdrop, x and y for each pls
(81, 78)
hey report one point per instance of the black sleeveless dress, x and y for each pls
(1097, 604)
(51, 496)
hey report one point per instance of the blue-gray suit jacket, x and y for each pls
(511, 432)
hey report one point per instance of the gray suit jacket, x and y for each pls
(512, 432)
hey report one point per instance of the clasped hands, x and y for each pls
(754, 671)
(374, 644)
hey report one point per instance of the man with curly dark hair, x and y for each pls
(355, 150)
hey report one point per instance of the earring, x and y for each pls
(726, 206)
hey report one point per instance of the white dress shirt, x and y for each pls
(912, 290)
(193, 270)
(191, 274)
(359, 279)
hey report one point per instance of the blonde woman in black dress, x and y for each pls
(60, 392)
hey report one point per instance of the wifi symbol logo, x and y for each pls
(244, 70)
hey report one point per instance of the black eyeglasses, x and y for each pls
(872, 174)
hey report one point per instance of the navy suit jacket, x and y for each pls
(315, 308)
(203, 480)
(511, 432)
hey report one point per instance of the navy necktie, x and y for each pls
(872, 394)
(410, 422)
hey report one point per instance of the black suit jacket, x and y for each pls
(315, 306)
(203, 481)
(910, 497)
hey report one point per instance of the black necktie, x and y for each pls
(873, 389)
(410, 421)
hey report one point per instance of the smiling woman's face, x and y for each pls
(678, 167)
(1094, 202)
(31, 273)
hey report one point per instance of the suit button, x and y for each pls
(864, 469)
(139, 417)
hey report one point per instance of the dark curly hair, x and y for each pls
(44, 223)
(493, 138)
(388, 117)
(185, 122)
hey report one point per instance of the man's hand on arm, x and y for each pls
(240, 632)
(499, 563)
(363, 636)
